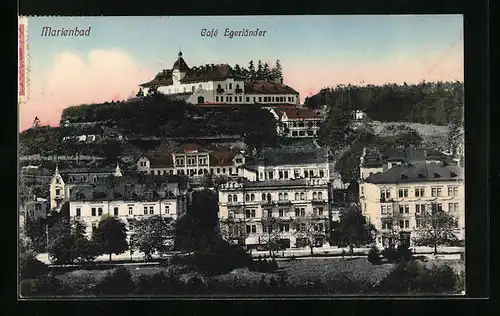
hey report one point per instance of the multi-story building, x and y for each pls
(297, 122)
(394, 200)
(63, 181)
(251, 204)
(36, 207)
(129, 199)
(214, 84)
(193, 160)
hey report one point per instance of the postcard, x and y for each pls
(241, 156)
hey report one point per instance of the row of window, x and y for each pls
(303, 133)
(193, 172)
(252, 229)
(281, 197)
(98, 211)
(419, 208)
(419, 192)
(403, 224)
(282, 212)
(303, 124)
(283, 174)
(255, 99)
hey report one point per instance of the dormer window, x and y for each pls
(58, 181)
(437, 175)
(453, 175)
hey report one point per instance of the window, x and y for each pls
(419, 192)
(296, 173)
(58, 191)
(320, 195)
(58, 181)
(269, 197)
(99, 211)
(145, 210)
(223, 170)
(247, 197)
(248, 99)
(251, 229)
(418, 222)
(230, 198)
(321, 173)
(320, 211)
(263, 196)
(407, 223)
(452, 191)
(306, 173)
(151, 210)
(239, 160)
(302, 196)
(435, 192)
(260, 99)
(235, 198)
(249, 213)
(286, 174)
(383, 209)
(296, 196)
(284, 227)
(401, 224)
(315, 195)
(264, 228)
(281, 212)
(230, 86)
(130, 210)
(78, 212)
(94, 226)
(404, 209)
(271, 174)
(280, 174)
(385, 195)
(453, 207)
(386, 225)
(402, 193)
(167, 209)
(285, 196)
(280, 196)
(115, 211)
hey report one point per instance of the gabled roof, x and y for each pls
(266, 87)
(180, 64)
(425, 172)
(190, 147)
(159, 159)
(223, 157)
(288, 156)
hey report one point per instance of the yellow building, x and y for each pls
(393, 199)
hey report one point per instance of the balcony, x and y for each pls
(386, 200)
(220, 91)
(284, 202)
(267, 203)
(318, 201)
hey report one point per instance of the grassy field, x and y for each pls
(344, 276)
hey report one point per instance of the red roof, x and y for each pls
(223, 157)
(266, 87)
(301, 114)
(190, 148)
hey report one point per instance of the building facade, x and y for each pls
(193, 160)
(252, 204)
(297, 122)
(129, 200)
(63, 181)
(217, 84)
(395, 200)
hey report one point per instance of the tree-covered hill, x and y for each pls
(438, 103)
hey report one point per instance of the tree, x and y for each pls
(313, 228)
(435, 227)
(260, 71)
(152, 234)
(354, 229)
(84, 248)
(36, 231)
(271, 225)
(336, 129)
(110, 236)
(251, 71)
(237, 69)
(277, 72)
(140, 93)
(232, 229)
(266, 72)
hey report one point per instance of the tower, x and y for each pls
(118, 172)
(36, 122)
(179, 69)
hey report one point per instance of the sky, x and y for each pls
(315, 52)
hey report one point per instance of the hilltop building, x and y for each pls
(297, 122)
(217, 84)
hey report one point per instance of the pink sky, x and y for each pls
(108, 75)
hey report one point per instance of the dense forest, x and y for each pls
(439, 103)
(151, 116)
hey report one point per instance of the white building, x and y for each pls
(193, 160)
(63, 181)
(394, 200)
(218, 84)
(297, 122)
(129, 199)
(359, 115)
(252, 203)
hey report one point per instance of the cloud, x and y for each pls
(104, 75)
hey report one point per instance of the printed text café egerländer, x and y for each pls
(233, 33)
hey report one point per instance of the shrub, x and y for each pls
(404, 253)
(263, 285)
(30, 267)
(439, 279)
(47, 285)
(374, 255)
(119, 282)
(195, 285)
(390, 254)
